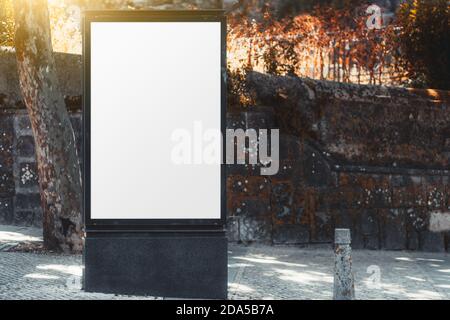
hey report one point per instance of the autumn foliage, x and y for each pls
(327, 43)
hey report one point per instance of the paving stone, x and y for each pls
(255, 272)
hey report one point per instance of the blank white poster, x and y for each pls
(148, 81)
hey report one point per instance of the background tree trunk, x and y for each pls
(58, 165)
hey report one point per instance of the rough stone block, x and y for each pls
(290, 147)
(6, 183)
(446, 182)
(23, 218)
(233, 229)
(6, 142)
(439, 221)
(352, 197)
(23, 123)
(282, 199)
(290, 234)
(28, 176)
(435, 196)
(432, 241)
(370, 229)
(259, 119)
(37, 218)
(394, 229)
(419, 235)
(289, 170)
(25, 146)
(253, 219)
(412, 228)
(342, 218)
(236, 170)
(6, 210)
(382, 197)
(322, 227)
(332, 198)
(404, 196)
(350, 219)
(243, 186)
(399, 181)
(235, 121)
(316, 171)
(28, 201)
(254, 229)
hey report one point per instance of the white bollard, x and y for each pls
(344, 288)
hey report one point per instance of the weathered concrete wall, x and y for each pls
(19, 189)
(69, 77)
(375, 160)
(372, 159)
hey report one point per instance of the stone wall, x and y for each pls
(373, 159)
(19, 189)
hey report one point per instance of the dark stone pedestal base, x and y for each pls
(176, 265)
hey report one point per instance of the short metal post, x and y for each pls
(344, 288)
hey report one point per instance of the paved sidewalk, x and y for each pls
(255, 272)
(267, 272)
(10, 236)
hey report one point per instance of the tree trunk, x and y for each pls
(57, 160)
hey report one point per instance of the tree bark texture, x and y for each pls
(58, 165)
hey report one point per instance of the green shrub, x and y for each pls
(424, 40)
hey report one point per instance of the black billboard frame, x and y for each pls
(147, 16)
(179, 258)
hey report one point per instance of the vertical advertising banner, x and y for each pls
(154, 110)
